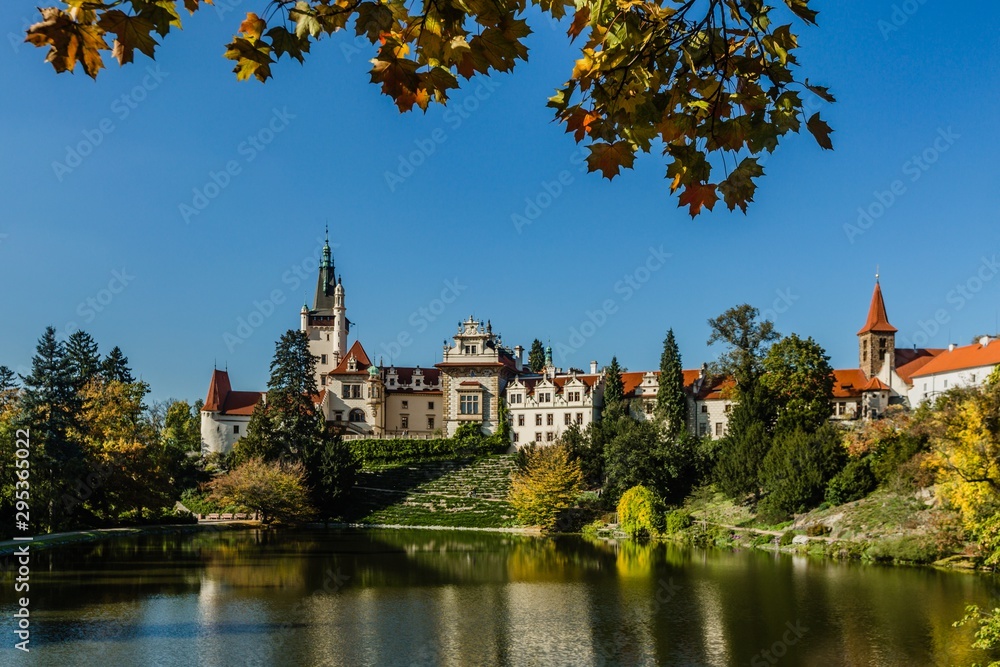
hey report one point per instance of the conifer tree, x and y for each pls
(115, 368)
(536, 356)
(614, 391)
(671, 401)
(8, 387)
(331, 471)
(84, 358)
(50, 406)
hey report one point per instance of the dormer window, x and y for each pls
(352, 364)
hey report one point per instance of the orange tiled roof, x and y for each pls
(909, 361)
(241, 402)
(848, 382)
(358, 352)
(218, 389)
(967, 356)
(877, 320)
(875, 385)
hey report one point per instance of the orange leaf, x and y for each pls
(698, 195)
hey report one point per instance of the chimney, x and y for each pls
(951, 347)
(984, 341)
(519, 357)
(593, 368)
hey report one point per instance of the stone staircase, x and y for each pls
(439, 493)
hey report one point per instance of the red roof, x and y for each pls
(961, 358)
(358, 352)
(875, 385)
(241, 402)
(877, 320)
(717, 388)
(909, 361)
(218, 389)
(848, 382)
(405, 374)
(470, 383)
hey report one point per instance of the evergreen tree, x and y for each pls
(536, 356)
(84, 358)
(8, 387)
(50, 407)
(671, 401)
(795, 473)
(115, 368)
(331, 471)
(614, 391)
(287, 423)
(742, 450)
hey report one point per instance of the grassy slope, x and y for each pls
(471, 494)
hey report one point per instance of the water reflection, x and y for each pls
(414, 597)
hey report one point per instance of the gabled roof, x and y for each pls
(218, 389)
(911, 360)
(241, 402)
(848, 382)
(358, 352)
(632, 379)
(404, 374)
(961, 358)
(875, 385)
(877, 321)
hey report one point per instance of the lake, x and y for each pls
(426, 597)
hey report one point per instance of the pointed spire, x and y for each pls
(877, 320)
(326, 262)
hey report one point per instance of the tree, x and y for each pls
(115, 368)
(182, 427)
(671, 401)
(796, 470)
(614, 391)
(715, 82)
(286, 422)
(84, 358)
(639, 513)
(536, 356)
(548, 484)
(743, 448)
(799, 377)
(331, 471)
(748, 341)
(276, 489)
(50, 408)
(8, 387)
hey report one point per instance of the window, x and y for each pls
(352, 391)
(430, 405)
(579, 417)
(549, 437)
(430, 423)
(538, 437)
(544, 397)
(236, 428)
(549, 419)
(406, 405)
(357, 415)
(567, 419)
(322, 380)
(703, 429)
(469, 404)
(520, 420)
(516, 438)
(945, 384)
(538, 419)
(322, 359)
(841, 407)
(704, 408)
(338, 416)
(404, 421)
(515, 398)
(573, 396)
(727, 408)
(718, 428)
(649, 408)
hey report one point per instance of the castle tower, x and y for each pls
(877, 338)
(340, 323)
(326, 324)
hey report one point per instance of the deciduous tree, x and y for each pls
(276, 489)
(548, 484)
(712, 85)
(799, 378)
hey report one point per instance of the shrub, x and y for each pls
(795, 472)
(854, 482)
(547, 486)
(787, 537)
(637, 515)
(468, 441)
(906, 549)
(817, 530)
(675, 521)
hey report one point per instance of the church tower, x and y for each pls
(326, 324)
(877, 338)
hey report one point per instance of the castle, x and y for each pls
(478, 373)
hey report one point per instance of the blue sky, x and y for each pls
(104, 244)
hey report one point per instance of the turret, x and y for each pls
(877, 338)
(304, 318)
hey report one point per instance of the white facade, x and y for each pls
(542, 407)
